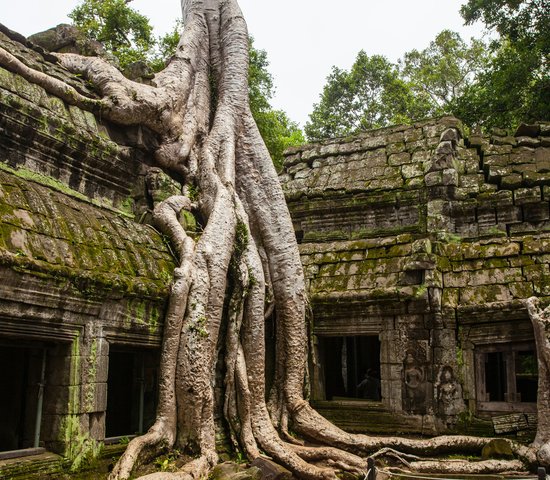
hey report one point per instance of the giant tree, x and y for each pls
(244, 265)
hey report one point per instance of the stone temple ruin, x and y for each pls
(419, 244)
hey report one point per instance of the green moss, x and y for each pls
(188, 221)
(57, 185)
(193, 192)
(241, 238)
(127, 207)
(198, 326)
(81, 449)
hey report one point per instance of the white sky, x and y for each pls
(303, 38)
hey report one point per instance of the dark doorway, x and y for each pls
(132, 389)
(21, 385)
(351, 367)
(495, 376)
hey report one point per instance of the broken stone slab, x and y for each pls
(235, 471)
(66, 38)
(508, 140)
(450, 135)
(510, 423)
(525, 141)
(271, 470)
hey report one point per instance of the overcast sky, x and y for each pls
(303, 38)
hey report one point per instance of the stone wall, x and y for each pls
(81, 275)
(429, 240)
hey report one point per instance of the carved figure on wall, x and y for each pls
(415, 384)
(449, 393)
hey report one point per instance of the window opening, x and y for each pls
(507, 375)
(132, 388)
(23, 378)
(495, 376)
(351, 367)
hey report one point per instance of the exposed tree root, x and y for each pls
(198, 106)
(465, 467)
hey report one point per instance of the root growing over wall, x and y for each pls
(199, 107)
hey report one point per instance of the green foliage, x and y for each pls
(122, 30)
(168, 462)
(489, 85)
(372, 94)
(525, 22)
(516, 85)
(440, 73)
(165, 47)
(512, 90)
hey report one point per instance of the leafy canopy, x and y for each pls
(445, 68)
(515, 87)
(500, 84)
(123, 31)
(371, 94)
(525, 22)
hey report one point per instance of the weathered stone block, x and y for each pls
(536, 212)
(310, 154)
(508, 214)
(511, 181)
(94, 397)
(535, 178)
(505, 140)
(412, 170)
(271, 470)
(498, 448)
(528, 142)
(394, 148)
(301, 166)
(329, 150)
(371, 143)
(528, 130)
(485, 294)
(433, 178)
(302, 173)
(412, 135)
(450, 297)
(521, 290)
(449, 177)
(489, 150)
(495, 174)
(399, 158)
(524, 196)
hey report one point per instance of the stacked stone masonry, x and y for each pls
(84, 281)
(419, 244)
(422, 242)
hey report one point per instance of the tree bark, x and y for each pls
(199, 107)
(540, 319)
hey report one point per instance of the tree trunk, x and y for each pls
(540, 320)
(199, 107)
